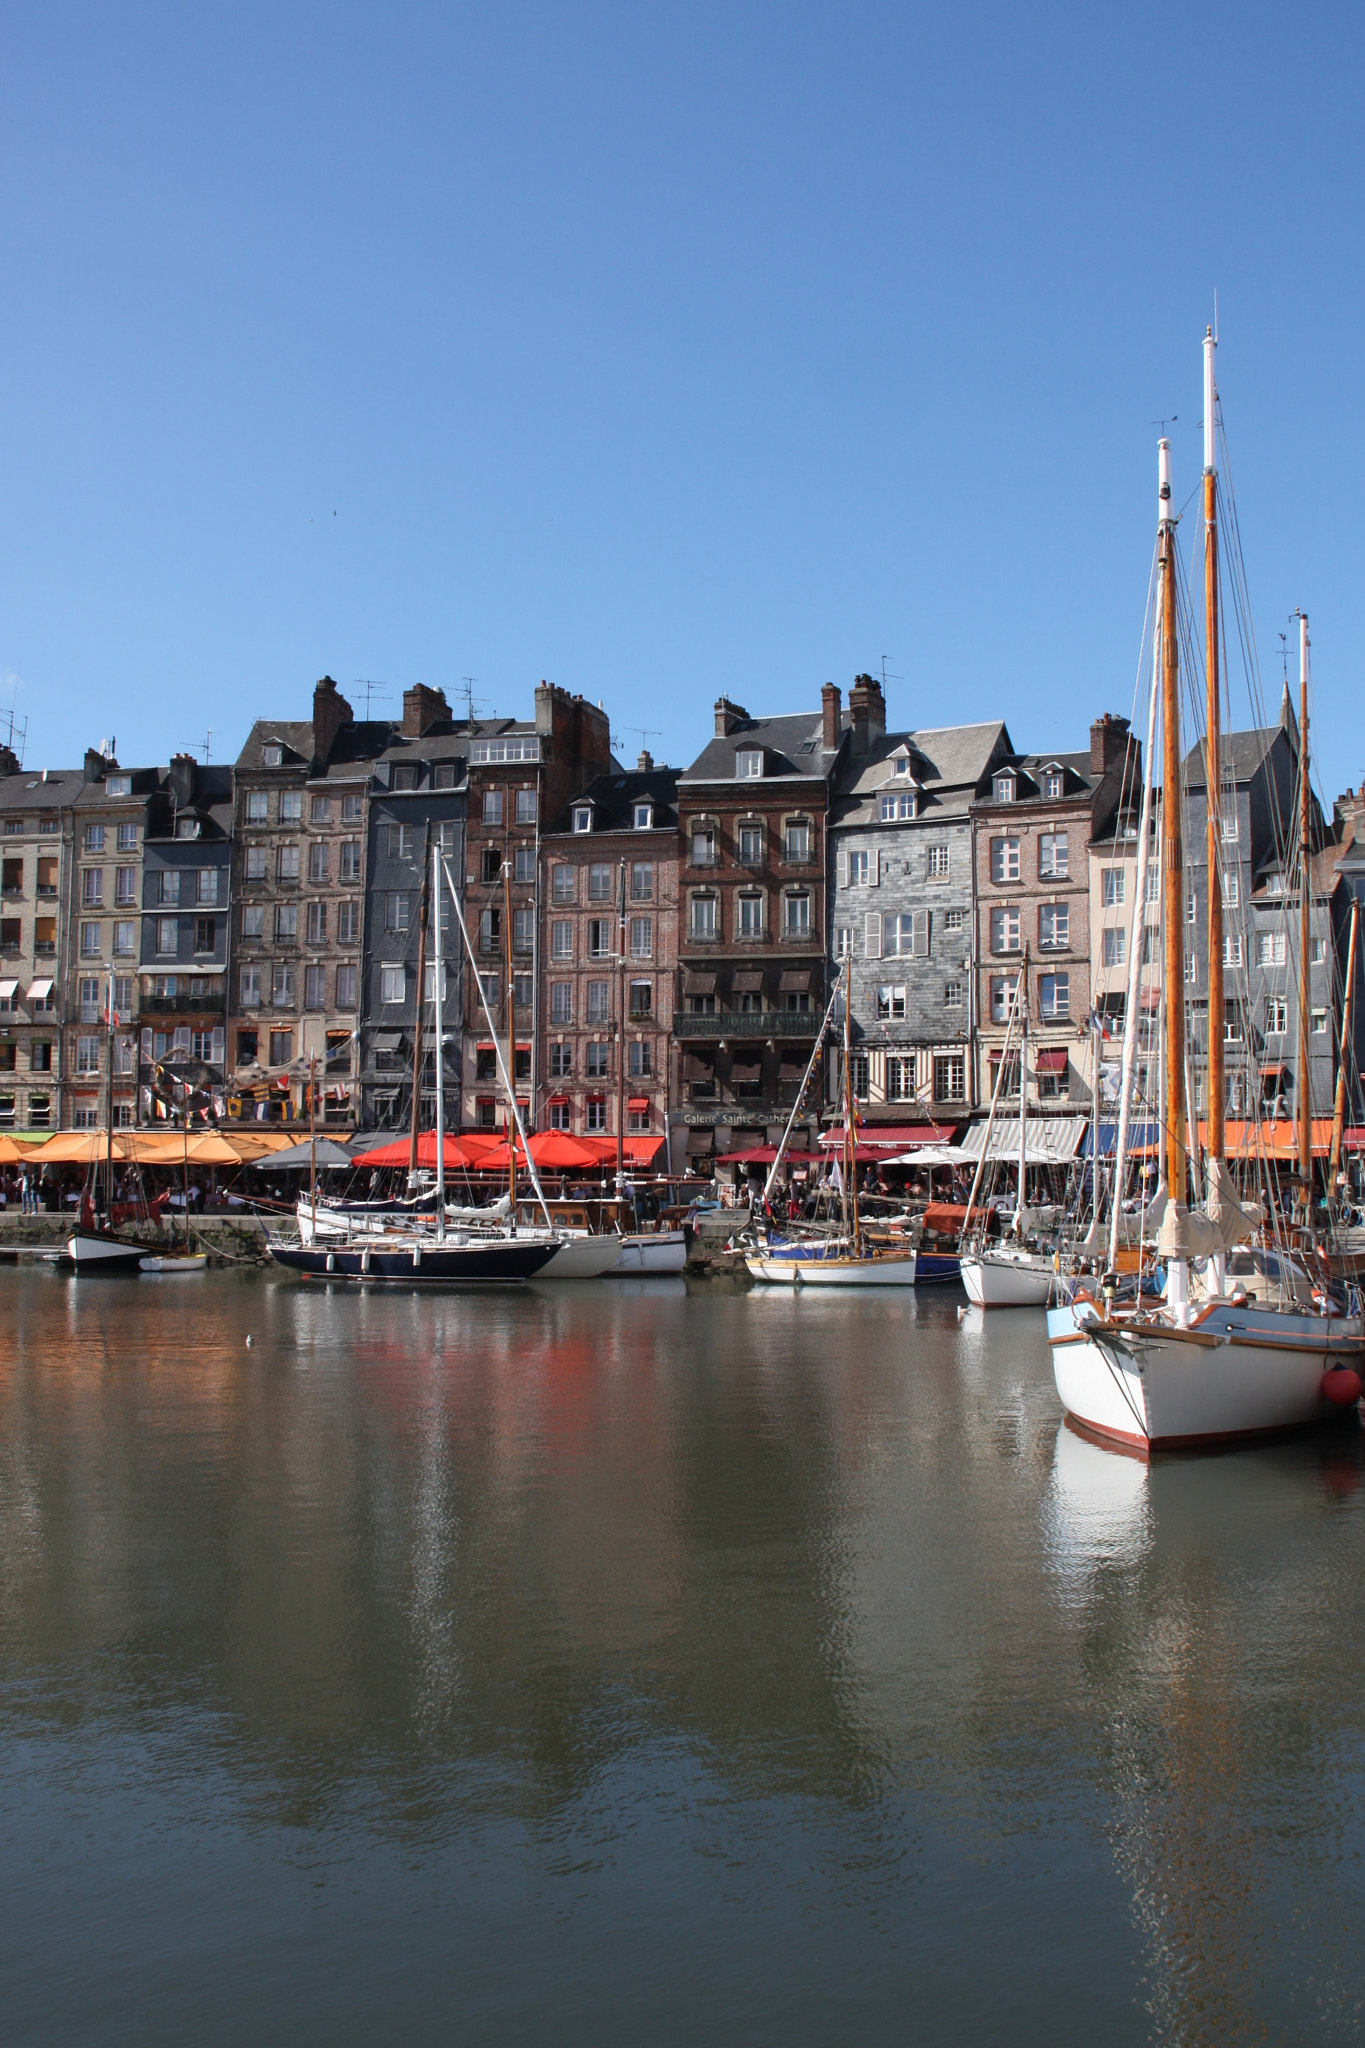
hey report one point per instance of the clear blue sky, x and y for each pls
(660, 350)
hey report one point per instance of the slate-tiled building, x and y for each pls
(185, 922)
(621, 829)
(901, 913)
(103, 942)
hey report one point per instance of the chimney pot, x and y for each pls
(729, 717)
(645, 762)
(867, 710)
(422, 708)
(1108, 743)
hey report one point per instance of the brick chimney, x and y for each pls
(867, 710)
(9, 761)
(729, 717)
(831, 712)
(95, 764)
(645, 762)
(1108, 743)
(330, 713)
(422, 708)
(182, 780)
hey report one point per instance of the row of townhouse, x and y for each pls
(663, 940)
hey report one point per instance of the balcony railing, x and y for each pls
(165, 1006)
(746, 1024)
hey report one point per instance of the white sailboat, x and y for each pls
(1192, 1371)
(1009, 1274)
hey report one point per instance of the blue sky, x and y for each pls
(660, 351)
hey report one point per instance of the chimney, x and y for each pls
(1108, 743)
(729, 717)
(9, 761)
(645, 762)
(830, 711)
(422, 708)
(95, 764)
(867, 710)
(182, 780)
(330, 713)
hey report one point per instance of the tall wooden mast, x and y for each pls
(1305, 912)
(1347, 1048)
(1172, 851)
(1213, 763)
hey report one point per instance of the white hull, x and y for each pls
(660, 1251)
(1240, 1371)
(887, 1269)
(1008, 1280)
(174, 1262)
(582, 1258)
(90, 1251)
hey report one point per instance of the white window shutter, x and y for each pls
(182, 1038)
(217, 1045)
(843, 868)
(921, 934)
(874, 867)
(146, 1042)
(872, 935)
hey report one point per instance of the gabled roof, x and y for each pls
(1243, 752)
(1029, 770)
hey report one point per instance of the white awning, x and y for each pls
(7, 989)
(933, 1155)
(1049, 1140)
(39, 991)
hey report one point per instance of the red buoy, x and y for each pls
(1341, 1386)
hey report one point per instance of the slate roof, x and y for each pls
(29, 792)
(947, 762)
(613, 796)
(794, 744)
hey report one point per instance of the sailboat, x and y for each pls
(1191, 1371)
(847, 1260)
(1008, 1275)
(91, 1249)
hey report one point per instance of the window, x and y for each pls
(399, 842)
(701, 1006)
(939, 861)
(348, 922)
(167, 886)
(1191, 906)
(526, 807)
(1152, 954)
(187, 828)
(523, 931)
(249, 987)
(641, 1062)
(1318, 1020)
(393, 984)
(320, 810)
(561, 1002)
(282, 988)
(490, 864)
(1052, 783)
(891, 1000)
(49, 826)
(490, 986)
(950, 1077)
(492, 807)
(490, 929)
(315, 987)
(287, 862)
(642, 881)
(1054, 925)
(88, 997)
(350, 860)
(291, 806)
(1154, 884)
(596, 1117)
(798, 840)
(125, 885)
(1115, 947)
(205, 934)
(641, 938)
(40, 1056)
(1232, 949)
(599, 882)
(749, 763)
(954, 920)
(859, 1073)
(352, 809)
(286, 920)
(524, 864)
(561, 1062)
(859, 869)
(595, 1056)
(87, 1055)
(127, 838)
(406, 774)
(598, 995)
(13, 827)
(750, 917)
(1004, 860)
(897, 804)
(562, 884)
(561, 939)
(1004, 931)
(599, 938)
(558, 1113)
(255, 864)
(954, 995)
(317, 924)
(797, 915)
(1191, 970)
(281, 1048)
(1232, 889)
(94, 839)
(582, 818)
(1004, 989)
(898, 933)
(347, 982)
(253, 921)
(900, 1079)
(92, 888)
(843, 941)
(703, 846)
(1003, 789)
(125, 938)
(1054, 995)
(749, 845)
(1319, 952)
(1112, 883)
(1233, 1030)
(1271, 949)
(167, 935)
(1229, 817)
(703, 918)
(258, 807)
(397, 910)
(641, 998)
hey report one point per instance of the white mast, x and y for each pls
(438, 970)
(1137, 944)
(1022, 998)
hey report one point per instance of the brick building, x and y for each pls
(620, 824)
(103, 935)
(752, 812)
(36, 848)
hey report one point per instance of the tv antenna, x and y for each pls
(204, 746)
(470, 703)
(371, 689)
(1163, 424)
(14, 732)
(891, 678)
(646, 732)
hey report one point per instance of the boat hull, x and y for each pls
(660, 1251)
(1240, 1372)
(174, 1262)
(582, 1258)
(935, 1266)
(98, 1251)
(996, 1282)
(890, 1269)
(498, 1259)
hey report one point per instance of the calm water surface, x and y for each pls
(618, 1665)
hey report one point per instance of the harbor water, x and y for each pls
(629, 1664)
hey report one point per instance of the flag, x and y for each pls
(1103, 1025)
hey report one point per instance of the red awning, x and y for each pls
(1051, 1060)
(638, 1102)
(891, 1137)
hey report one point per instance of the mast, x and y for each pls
(1213, 766)
(1347, 1042)
(850, 1139)
(511, 1037)
(1021, 998)
(1172, 849)
(417, 1053)
(109, 1127)
(1305, 909)
(312, 1151)
(621, 1047)
(1138, 942)
(439, 1020)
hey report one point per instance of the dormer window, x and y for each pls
(187, 828)
(901, 765)
(1052, 782)
(118, 785)
(1004, 789)
(582, 818)
(644, 817)
(749, 763)
(272, 756)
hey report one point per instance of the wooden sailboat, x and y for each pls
(90, 1248)
(1195, 1371)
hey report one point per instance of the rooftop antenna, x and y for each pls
(467, 683)
(206, 744)
(891, 678)
(1163, 424)
(646, 732)
(1284, 657)
(371, 689)
(13, 733)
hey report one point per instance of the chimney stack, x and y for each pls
(645, 762)
(1108, 743)
(182, 780)
(9, 761)
(422, 708)
(330, 713)
(729, 717)
(867, 710)
(95, 764)
(832, 716)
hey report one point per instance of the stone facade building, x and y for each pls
(620, 828)
(183, 931)
(753, 810)
(102, 948)
(37, 846)
(1033, 821)
(902, 908)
